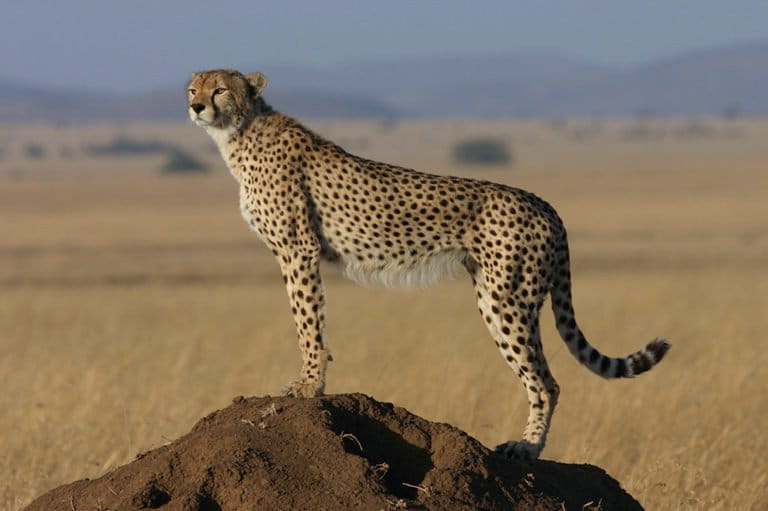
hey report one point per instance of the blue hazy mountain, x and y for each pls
(706, 82)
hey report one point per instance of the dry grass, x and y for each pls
(132, 305)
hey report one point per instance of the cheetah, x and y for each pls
(308, 199)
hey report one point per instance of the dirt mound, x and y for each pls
(337, 453)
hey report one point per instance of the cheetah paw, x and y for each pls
(522, 450)
(302, 388)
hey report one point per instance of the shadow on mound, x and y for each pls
(397, 461)
(333, 452)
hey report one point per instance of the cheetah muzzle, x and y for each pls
(308, 200)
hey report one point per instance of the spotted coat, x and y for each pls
(309, 199)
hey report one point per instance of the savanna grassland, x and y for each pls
(133, 303)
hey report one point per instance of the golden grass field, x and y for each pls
(131, 304)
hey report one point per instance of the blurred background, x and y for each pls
(133, 299)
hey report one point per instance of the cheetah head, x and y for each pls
(223, 98)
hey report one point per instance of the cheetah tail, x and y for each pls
(607, 367)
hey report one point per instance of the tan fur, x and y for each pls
(309, 199)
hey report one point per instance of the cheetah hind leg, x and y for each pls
(516, 333)
(543, 392)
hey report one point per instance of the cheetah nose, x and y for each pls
(197, 107)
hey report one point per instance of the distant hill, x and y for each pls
(19, 103)
(707, 82)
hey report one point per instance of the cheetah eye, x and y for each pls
(191, 92)
(220, 90)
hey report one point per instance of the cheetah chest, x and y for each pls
(254, 213)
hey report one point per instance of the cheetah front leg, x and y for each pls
(301, 273)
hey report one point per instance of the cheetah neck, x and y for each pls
(227, 139)
(221, 137)
(233, 143)
(224, 140)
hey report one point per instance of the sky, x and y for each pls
(139, 45)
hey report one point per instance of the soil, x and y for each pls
(341, 452)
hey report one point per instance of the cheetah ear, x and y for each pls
(257, 80)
